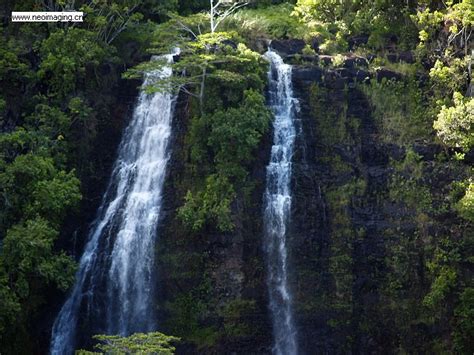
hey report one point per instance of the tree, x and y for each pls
(465, 206)
(233, 134)
(461, 20)
(35, 199)
(448, 26)
(464, 318)
(210, 204)
(28, 268)
(66, 54)
(139, 343)
(336, 20)
(109, 19)
(202, 56)
(32, 186)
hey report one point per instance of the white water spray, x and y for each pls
(278, 205)
(114, 282)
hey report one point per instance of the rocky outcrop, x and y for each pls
(402, 57)
(338, 172)
(359, 40)
(288, 47)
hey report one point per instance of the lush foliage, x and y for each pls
(335, 20)
(232, 136)
(226, 129)
(138, 343)
(455, 125)
(271, 22)
(58, 82)
(62, 109)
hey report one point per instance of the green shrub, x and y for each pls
(465, 206)
(464, 327)
(273, 22)
(138, 343)
(455, 125)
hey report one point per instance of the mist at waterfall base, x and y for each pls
(114, 288)
(277, 201)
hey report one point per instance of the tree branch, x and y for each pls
(186, 28)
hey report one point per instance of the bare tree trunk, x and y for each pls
(201, 91)
(470, 88)
(217, 17)
(212, 14)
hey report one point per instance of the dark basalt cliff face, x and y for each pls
(348, 228)
(340, 179)
(357, 246)
(347, 235)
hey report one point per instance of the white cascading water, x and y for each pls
(277, 202)
(114, 282)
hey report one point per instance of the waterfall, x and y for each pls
(114, 282)
(277, 202)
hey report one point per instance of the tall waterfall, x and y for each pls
(278, 204)
(114, 282)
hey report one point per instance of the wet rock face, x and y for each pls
(322, 230)
(308, 74)
(315, 42)
(339, 213)
(347, 226)
(382, 73)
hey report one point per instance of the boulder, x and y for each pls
(314, 59)
(358, 40)
(383, 73)
(288, 47)
(352, 62)
(371, 58)
(469, 157)
(352, 74)
(311, 73)
(315, 41)
(392, 57)
(230, 43)
(427, 151)
(260, 44)
(325, 59)
(405, 57)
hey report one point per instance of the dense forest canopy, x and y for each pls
(61, 114)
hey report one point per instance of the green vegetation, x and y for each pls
(335, 20)
(270, 22)
(232, 136)
(404, 280)
(455, 125)
(138, 343)
(58, 101)
(225, 131)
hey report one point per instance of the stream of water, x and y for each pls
(115, 279)
(277, 202)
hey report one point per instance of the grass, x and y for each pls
(274, 22)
